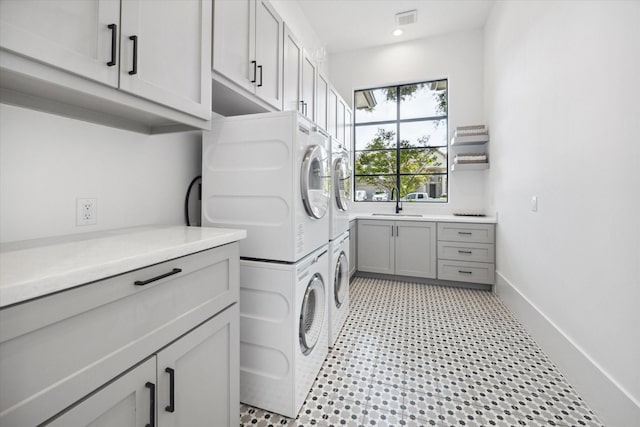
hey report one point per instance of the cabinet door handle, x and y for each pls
(134, 70)
(465, 252)
(255, 72)
(260, 68)
(392, 227)
(171, 407)
(152, 404)
(397, 231)
(465, 272)
(465, 233)
(153, 279)
(114, 35)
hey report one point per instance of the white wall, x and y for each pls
(458, 57)
(47, 161)
(563, 107)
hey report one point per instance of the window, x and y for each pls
(401, 141)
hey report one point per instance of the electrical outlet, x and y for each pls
(86, 212)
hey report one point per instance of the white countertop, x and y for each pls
(33, 268)
(489, 219)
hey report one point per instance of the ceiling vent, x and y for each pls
(406, 18)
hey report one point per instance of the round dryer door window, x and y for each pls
(314, 181)
(341, 280)
(341, 182)
(311, 314)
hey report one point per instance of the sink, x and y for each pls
(396, 214)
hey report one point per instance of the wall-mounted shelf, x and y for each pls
(470, 144)
(456, 167)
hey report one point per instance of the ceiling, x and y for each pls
(345, 25)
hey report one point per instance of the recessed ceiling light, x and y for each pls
(397, 32)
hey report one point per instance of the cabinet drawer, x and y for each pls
(463, 232)
(56, 349)
(461, 271)
(461, 251)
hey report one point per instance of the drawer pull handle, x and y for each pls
(152, 404)
(114, 35)
(134, 69)
(171, 407)
(465, 233)
(153, 279)
(255, 72)
(465, 252)
(465, 272)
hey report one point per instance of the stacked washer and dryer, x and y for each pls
(270, 174)
(339, 239)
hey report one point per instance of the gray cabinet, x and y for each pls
(466, 252)
(404, 248)
(353, 247)
(155, 51)
(248, 47)
(111, 327)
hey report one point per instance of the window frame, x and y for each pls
(398, 122)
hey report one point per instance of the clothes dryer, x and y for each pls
(283, 330)
(340, 189)
(338, 298)
(269, 174)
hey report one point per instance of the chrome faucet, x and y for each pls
(398, 205)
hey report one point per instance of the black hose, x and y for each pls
(186, 199)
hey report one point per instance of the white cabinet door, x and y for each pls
(233, 23)
(340, 127)
(416, 249)
(308, 86)
(376, 246)
(333, 110)
(268, 57)
(198, 375)
(165, 53)
(322, 93)
(348, 129)
(353, 247)
(292, 71)
(74, 35)
(126, 402)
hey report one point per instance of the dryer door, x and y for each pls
(341, 280)
(314, 181)
(341, 182)
(311, 314)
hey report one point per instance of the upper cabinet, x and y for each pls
(292, 71)
(309, 73)
(322, 94)
(80, 37)
(164, 54)
(300, 76)
(54, 52)
(248, 47)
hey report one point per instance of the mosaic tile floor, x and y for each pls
(420, 355)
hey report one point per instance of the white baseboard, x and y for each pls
(612, 404)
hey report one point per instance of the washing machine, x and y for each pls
(283, 330)
(338, 298)
(269, 174)
(340, 190)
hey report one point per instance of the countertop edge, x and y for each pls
(23, 291)
(427, 218)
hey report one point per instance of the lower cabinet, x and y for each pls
(157, 346)
(192, 382)
(353, 247)
(403, 248)
(466, 252)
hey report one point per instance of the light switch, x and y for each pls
(534, 203)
